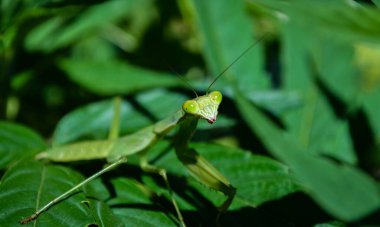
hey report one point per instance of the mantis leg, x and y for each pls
(199, 167)
(145, 166)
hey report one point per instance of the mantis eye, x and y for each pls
(216, 96)
(190, 107)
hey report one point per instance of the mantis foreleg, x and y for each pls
(198, 166)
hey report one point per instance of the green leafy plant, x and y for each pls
(298, 132)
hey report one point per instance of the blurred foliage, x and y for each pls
(299, 128)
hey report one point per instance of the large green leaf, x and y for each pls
(102, 214)
(17, 141)
(332, 43)
(376, 2)
(221, 45)
(30, 185)
(314, 123)
(258, 179)
(335, 187)
(275, 101)
(130, 192)
(94, 120)
(319, 17)
(371, 106)
(115, 77)
(341, 75)
(60, 31)
(143, 217)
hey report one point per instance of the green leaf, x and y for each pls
(319, 131)
(143, 217)
(341, 75)
(258, 179)
(94, 120)
(314, 123)
(371, 106)
(221, 46)
(16, 141)
(58, 32)
(130, 193)
(334, 187)
(377, 3)
(277, 102)
(102, 214)
(97, 189)
(356, 22)
(331, 224)
(30, 185)
(115, 77)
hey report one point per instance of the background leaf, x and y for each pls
(55, 33)
(17, 141)
(297, 132)
(333, 187)
(257, 179)
(217, 39)
(28, 185)
(114, 77)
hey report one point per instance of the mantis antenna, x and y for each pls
(184, 80)
(236, 59)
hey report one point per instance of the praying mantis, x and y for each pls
(116, 150)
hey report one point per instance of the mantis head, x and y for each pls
(205, 106)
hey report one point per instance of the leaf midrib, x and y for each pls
(43, 176)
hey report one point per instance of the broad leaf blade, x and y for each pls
(221, 46)
(258, 179)
(115, 77)
(143, 217)
(17, 141)
(102, 214)
(371, 106)
(334, 187)
(94, 120)
(356, 21)
(60, 31)
(131, 194)
(314, 123)
(31, 185)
